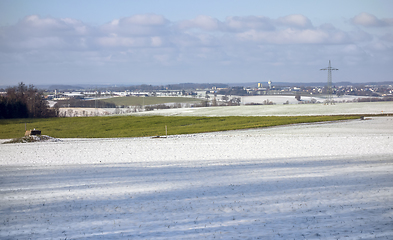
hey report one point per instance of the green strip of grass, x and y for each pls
(140, 126)
(134, 101)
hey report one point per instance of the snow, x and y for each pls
(281, 110)
(292, 109)
(305, 181)
(290, 99)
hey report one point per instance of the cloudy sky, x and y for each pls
(207, 41)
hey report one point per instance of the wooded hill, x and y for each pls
(25, 102)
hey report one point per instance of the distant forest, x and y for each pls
(25, 102)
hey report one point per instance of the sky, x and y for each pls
(45, 42)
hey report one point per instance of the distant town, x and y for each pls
(89, 100)
(61, 92)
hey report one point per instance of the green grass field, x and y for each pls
(140, 126)
(134, 101)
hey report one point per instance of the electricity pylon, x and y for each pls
(329, 84)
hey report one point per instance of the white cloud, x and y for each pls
(231, 23)
(128, 42)
(142, 25)
(156, 41)
(36, 25)
(366, 20)
(295, 36)
(369, 20)
(295, 20)
(152, 39)
(202, 22)
(146, 19)
(115, 22)
(250, 22)
(43, 23)
(155, 31)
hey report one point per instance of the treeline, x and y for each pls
(375, 99)
(25, 102)
(239, 91)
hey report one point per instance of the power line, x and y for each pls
(329, 84)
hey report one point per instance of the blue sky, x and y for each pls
(160, 42)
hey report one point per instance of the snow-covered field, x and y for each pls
(280, 110)
(293, 108)
(307, 181)
(290, 99)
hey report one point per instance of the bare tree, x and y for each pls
(297, 96)
(225, 98)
